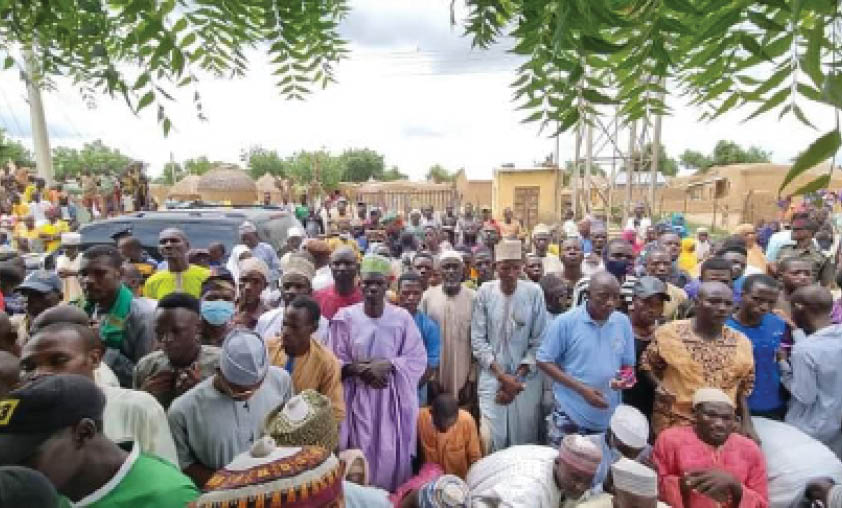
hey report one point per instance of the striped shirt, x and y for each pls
(580, 290)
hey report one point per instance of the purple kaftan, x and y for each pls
(381, 423)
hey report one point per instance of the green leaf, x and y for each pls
(596, 97)
(600, 45)
(681, 6)
(145, 101)
(721, 24)
(167, 125)
(811, 62)
(141, 82)
(819, 151)
(800, 115)
(832, 90)
(533, 117)
(761, 21)
(752, 46)
(771, 103)
(819, 183)
(8, 62)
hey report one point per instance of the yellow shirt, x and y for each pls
(27, 193)
(165, 282)
(20, 210)
(55, 231)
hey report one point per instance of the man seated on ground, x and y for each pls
(812, 374)
(310, 363)
(236, 400)
(448, 436)
(627, 437)
(182, 360)
(634, 485)
(72, 348)
(708, 464)
(530, 475)
(55, 425)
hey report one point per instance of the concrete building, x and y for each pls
(476, 192)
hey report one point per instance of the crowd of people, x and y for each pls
(434, 358)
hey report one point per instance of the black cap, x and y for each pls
(34, 412)
(647, 286)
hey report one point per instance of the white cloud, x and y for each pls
(413, 90)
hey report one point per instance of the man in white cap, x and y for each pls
(67, 266)
(254, 279)
(507, 325)
(295, 236)
(635, 486)
(541, 239)
(450, 304)
(222, 416)
(296, 281)
(627, 437)
(703, 245)
(261, 250)
(707, 465)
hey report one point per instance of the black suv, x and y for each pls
(203, 226)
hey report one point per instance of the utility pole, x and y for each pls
(630, 169)
(40, 136)
(574, 176)
(656, 160)
(588, 164)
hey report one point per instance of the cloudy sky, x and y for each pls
(413, 89)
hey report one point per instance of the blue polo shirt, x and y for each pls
(765, 342)
(592, 354)
(431, 336)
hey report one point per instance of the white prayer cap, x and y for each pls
(248, 227)
(254, 264)
(635, 478)
(630, 426)
(244, 360)
(540, 229)
(703, 395)
(295, 232)
(68, 239)
(450, 255)
(508, 249)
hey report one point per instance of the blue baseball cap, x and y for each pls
(41, 281)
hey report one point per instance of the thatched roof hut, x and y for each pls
(227, 183)
(266, 183)
(185, 189)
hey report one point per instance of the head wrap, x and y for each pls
(298, 265)
(630, 426)
(703, 395)
(635, 478)
(247, 227)
(244, 360)
(305, 420)
(447, 491)
(450, 255)
(233, 264)
(580, 453)
(318, 247)
(68, 239)
(254, 264)
(508, 249)
(350, 457)
(375, 263)
(268, 475)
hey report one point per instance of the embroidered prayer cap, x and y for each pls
(708, 394)
(298, 265)
(70, 239)
(305, 420)
(630, 426)
(375, 263)
(635, 478)
(580, 453)
(254, 264)
(34, 412)
(247, 227)
(446, 491)
(508, 249)
(540, 229)
(269, 475)
(295, 232)
(450, 255)
(244, 360)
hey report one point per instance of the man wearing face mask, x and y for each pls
(244, 389)
(584, 351)
(182, 360)
(218, 296)
(619, 262)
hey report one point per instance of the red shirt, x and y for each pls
(330, 301)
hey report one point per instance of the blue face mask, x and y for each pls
(217, 312)
(617, 268)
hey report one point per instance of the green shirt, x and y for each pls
(165, 282)
(144, 480)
